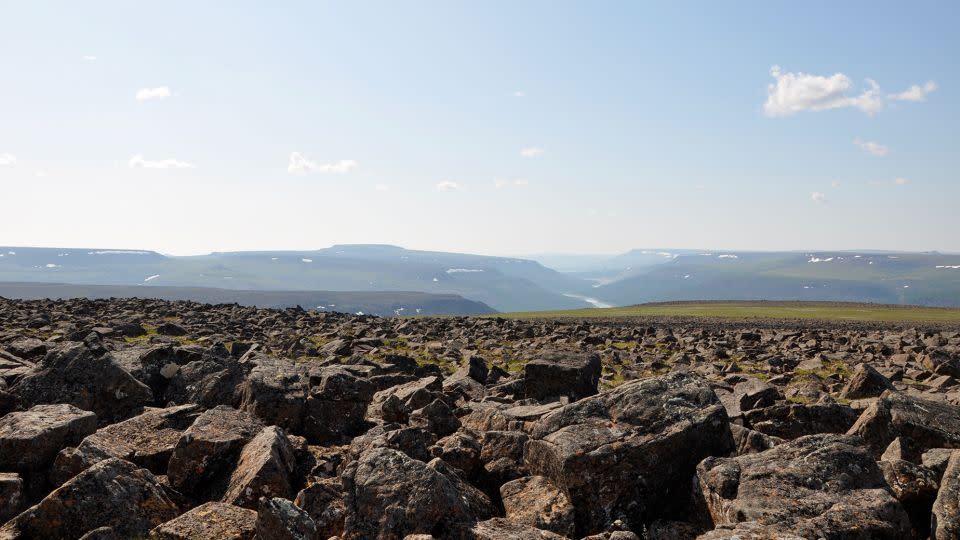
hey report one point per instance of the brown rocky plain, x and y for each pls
(177, 420)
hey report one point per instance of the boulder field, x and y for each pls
(176, 420)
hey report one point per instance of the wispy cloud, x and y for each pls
(381, 187)
(519, 93)
(796, 92)
(300, 165)
(901, 181)
(7, 160)
(138, 162)
(447, 185)
(533, 151)
(160, 92)
(89, 58)
(818, 196)
(874, 148)
(915, 92)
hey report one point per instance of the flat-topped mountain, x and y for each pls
(504, 284)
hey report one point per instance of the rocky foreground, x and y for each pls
(175, 420)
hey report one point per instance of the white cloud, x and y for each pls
(901, 181)
(447, 185)
(915, 92)
(161, 92)
(519, 93)
(835, 184)
(818, 196)
(876, 149)
(138, 162)
(8, 159)
(300, 164)
(533, 151)
(381, 187)
(88, 58)
(796, 92)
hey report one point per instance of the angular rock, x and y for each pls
(207, 451)
(941, 363)
(389, 495)
(264, 469)
(915, 486)
(280, 519)
(792, 420)
(536, 502)
(562, 374)
(76, 376)
(945, 523)
(436, 417)
(630, 453)
(929, 424)
(755, 394)
(336, 406)
(12, 497)
(146, 440)
(275, 391)
(323, 501)
(30, 440)
(748, 441)
(865, 382)
(502, 529)
(210, 521)
(113, 493)
(817, 486)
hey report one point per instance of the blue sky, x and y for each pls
(488, 127)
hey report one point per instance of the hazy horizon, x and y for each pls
(496, 128)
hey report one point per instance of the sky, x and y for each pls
(494, 127)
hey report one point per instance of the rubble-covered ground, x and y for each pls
(177, 420)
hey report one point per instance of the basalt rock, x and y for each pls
(630, 453)
(77, 376)
(562, 374)
(147, 440)
(389, 495)
(210, 521)
(817, 486)
(113, 493)
(928, 423)
(206, 453)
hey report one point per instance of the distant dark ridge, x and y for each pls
(384, 303)
(790, 303)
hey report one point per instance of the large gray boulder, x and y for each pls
(336, 406)
(927, 423)
(389, 495)
(817, 486)
(209, 521)
(264, 469)
(206, 453)
(275, 391)
(146, 440)
(30, 440)
(78, 376)
(555, 374)
(113, 493)
(629, 453)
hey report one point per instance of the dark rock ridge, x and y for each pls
(155, 419)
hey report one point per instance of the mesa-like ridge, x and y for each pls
(132, 418)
